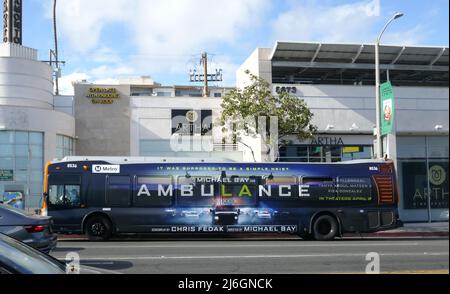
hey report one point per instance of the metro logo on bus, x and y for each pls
(105, 169)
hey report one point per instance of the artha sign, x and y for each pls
(327, 141)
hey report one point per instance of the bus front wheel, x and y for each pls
(325, 228)
(98, 228)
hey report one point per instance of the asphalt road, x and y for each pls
(231, 256)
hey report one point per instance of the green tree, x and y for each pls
(256, 100)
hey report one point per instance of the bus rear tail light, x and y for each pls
(35, 229)
(385, 188)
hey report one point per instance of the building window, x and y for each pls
(21, 164)
(64, 146)
(332, 153)
(414, 152)
(163, 94)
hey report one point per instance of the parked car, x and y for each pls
(18, 258)
(34, 230)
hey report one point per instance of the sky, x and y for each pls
(103, 40)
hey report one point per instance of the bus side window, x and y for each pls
(118, 192)
(153, 191)
(280, 188)
(320, 188)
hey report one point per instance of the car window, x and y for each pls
(21, 258)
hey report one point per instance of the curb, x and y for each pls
(401, 234)
(387, 234)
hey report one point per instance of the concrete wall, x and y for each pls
(102, 129)
(24, 81)
(152, 120)
(258, 64)
(64, 103)
(418, 109)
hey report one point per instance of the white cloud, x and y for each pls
(82, 21)
(315, 22)
(105, 54)
(106, 71)
(164, 33)
(109, 81)
(66, 82)
(414, 36)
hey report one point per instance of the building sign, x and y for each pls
(327, 141)
(188, 122)
(415, 185)
(6, 175)
(387, 108)
(290, 90)
(353, 149)
(102, 95)
(105, 169)
(12, 21)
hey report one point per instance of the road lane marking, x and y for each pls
(403, 272)
(162, 257)
(240, 245)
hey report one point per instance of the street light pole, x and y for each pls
(379, 147)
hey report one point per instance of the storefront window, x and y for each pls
(415, 185)
(21, 157)
(333, 153)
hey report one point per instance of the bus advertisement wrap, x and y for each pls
(222, 198)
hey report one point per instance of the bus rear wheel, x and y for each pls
(325, 228)
(98, 228)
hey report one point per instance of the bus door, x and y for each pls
(64, 199)
(118, 198)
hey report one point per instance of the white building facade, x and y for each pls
(138, 117)
(337, 83)
(32, 128)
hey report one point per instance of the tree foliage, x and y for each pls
(257, 100)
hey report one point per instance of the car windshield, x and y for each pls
(24, 259)
(15, 210)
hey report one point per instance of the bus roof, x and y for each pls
(136, 160)
(130, 160)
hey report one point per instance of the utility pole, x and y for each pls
(56, 49)
(205, 65)
(195, 75)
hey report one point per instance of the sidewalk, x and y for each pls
(439, 229)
